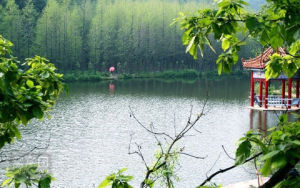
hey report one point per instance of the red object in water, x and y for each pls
(111, 69)
(111, 88)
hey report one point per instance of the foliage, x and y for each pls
(166, 175)
(28, 175)
(276, 25)
(186, 74)
(280, 148)
(92, 35)
(27, 91)
(117, 180)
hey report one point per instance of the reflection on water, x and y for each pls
(89, 132)
(111, 87)
(263, 120)
(217, 90)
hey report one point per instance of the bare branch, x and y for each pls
(138, 152)
(28, 152)
(197, 130)
(213, 165)
(227, 153)
(193, 156)
(226, 169)
(163, 158)
(147, 129)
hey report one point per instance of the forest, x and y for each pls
(92, 35)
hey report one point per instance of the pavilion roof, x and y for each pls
(260, 61)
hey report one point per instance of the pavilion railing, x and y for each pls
(277, 101)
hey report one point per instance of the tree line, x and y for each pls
(134, 36)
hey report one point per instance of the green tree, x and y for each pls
(27, 91)
(276, 25)
(29, 16)
(12, 20)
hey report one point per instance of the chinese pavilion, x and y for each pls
(265, 101)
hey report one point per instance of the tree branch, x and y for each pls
(226, 169)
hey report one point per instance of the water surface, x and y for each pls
(89, 132)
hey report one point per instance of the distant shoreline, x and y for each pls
(188, 74)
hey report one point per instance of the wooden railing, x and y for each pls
(277, 101)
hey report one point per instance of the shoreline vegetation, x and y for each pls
(188, 74)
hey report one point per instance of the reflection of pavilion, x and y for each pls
(271, 102)
(261, 120)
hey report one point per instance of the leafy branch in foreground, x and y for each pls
(117, 180)
(279, 152)
(276, 25)
(27, 91)
(28, 175)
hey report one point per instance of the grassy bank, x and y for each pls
(182, 74)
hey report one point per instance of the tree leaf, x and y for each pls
(122, 170)
(278, 161)
(266, 169)
(225, 44)
(45, 181)
(37, 112)
(270, 155)
(191, 43)
(242, 152)
(105, 183)
(5, 182)
(30, 83)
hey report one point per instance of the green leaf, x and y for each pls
(30, 83)
(270, 155)
(220, 68)
(45, 75)
(266, 169)
(191, 43)
(105, 183)
(210, 45)
(37, 112)
(5, 182)
(122, 170)
(283, 118)
(16, 131)
(295, 47)
(278, 161)
(243, 152)
(17, 185)
(45, 182)
(225, 44)
(296, 142)
(264, 38)
(252, 24)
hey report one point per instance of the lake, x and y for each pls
(88, 135)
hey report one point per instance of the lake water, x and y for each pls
(89, 132)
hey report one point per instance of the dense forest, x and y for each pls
(134, 36)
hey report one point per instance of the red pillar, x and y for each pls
(260, 91)
(297, 90)
(251, 90)
(266, 93)
(289, 93)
